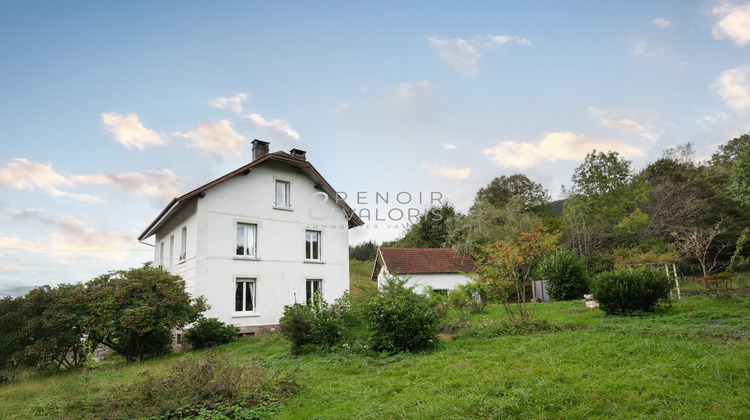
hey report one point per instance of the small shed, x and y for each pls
(440, 268)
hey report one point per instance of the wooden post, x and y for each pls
(676, 281)
(666, 267)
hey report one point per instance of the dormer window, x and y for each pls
(282, 194)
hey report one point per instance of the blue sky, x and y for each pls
(109, 110)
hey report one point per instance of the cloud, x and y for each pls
(218, 138)
(159, 184)
(128, 131)
(274, 126)
(733, 22)
(20, 174)
(554, 146)
(642, 48)
(341, 108)
(447, 172)
(625, 125)
(661, 22)
(449, 146)
(9, 266)
(462, 55)
(233, 103)
(734, 88)
(72, 238)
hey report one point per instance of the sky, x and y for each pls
(108, 110)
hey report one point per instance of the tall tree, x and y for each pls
(728, 152)
(431, 231)
(501, 190)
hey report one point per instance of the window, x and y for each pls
(183, 244)
(161, 254)
(313, 286)
(282, 194)
(244, 295)
(312, 245)
(171, 250)
(246, 239)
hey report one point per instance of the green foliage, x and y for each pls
(501, 190)
(727, 153)
(365, 251)
(210, 332)
(431, 230)
(740, 186)
(132, 311)
(308, 327)
(491, 328)
(399, 320)
(566, 275)
(623, 291)
(210, 386)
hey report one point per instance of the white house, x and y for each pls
(440, 268)
(266, 235)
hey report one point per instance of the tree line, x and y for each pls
(675, 210)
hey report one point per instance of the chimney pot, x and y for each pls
(299, 154)
(260, 149)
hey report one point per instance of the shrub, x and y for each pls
(626, 291)
(209, 386)
(400, 320)
(565, 274)
(315, 325)
(210, 333)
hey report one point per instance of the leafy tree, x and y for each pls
(740, 186)
(431, 231)
(601, 173)
(733, 149)
(133, 311)
(511, 262)
(503, 189)
(13, 339)
(486, 223)
(365, 251)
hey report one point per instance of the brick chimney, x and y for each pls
(260, 149)
(299, 154)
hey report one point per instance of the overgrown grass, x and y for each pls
(690, 361)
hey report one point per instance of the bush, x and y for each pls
(210, 333)
(209, 386)
(625, 291)
(565, 274)
(400, 320)
(316, 325)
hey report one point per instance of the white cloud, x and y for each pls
(217, 137)
(623, 124)
(461, 55)
(458, 174)
(20, 174)
(160, 184)
(661, 22)
(449, 146)
(77, 240)
(554, 146)
(274, 126)
(233, 103)
(8, 243)
(733, 22)
(642, 48)
(9, 266)
(341, 107)
(734, 87)
(129, 131)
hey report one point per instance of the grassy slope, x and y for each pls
(691, 361)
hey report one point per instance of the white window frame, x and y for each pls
(310, 289)
(288, 204)
(171, 251)
(310, 247)
(183, 244)
(254, 254)
(254, 298)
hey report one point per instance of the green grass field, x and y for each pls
(691, 361)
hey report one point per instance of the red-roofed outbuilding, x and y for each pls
(439, 268)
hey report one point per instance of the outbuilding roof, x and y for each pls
(422, 261)
(301, 164)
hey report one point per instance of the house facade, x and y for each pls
(266, 235)
(440, 268)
